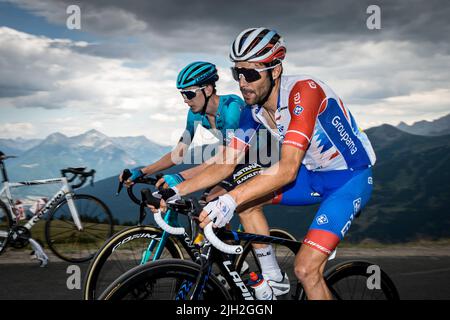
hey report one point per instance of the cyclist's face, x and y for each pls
(254, 91)
(196, 103)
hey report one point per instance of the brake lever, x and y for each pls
(125, 175)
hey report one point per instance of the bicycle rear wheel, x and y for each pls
(122, 252)
(163, 280)
(358, 280)
(63, 236)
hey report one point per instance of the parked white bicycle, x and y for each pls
(77, 225)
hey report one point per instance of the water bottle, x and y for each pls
(262, 289)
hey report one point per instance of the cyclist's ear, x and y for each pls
(277, 71)
(209, 90)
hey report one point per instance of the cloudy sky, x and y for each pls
(117, 74)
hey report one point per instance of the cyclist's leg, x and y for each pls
(303, 191)
(253, 220)
(328, 228)
(309, 266)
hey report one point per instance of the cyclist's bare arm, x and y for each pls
(273, 178)
(192, 172)
(222, 167)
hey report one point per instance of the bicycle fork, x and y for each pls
(161, 243)
(73, 211)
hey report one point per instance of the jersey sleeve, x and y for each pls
(231, 120)
(305, 100)
(246, 132)
(233, 114)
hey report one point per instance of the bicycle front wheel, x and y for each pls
(63, 236)
(163, 280)
(124, 251)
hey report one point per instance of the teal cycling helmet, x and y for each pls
(196, 74)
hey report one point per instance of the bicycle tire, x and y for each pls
(95, 282)
(287, 264)
(144, 277)
(5, 225)
(60, 218)
(335, 276)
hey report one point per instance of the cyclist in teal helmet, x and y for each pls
(197, 85)
(197, 76)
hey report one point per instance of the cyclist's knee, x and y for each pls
(308, 266)
(308, 274)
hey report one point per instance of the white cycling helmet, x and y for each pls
(258, 45)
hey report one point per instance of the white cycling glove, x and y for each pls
(221, 211)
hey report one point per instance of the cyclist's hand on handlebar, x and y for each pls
(166, 195)
(169, 194)
(220, 211)
(135, 174)
(204, 219)
(162, 207)
(161, 184)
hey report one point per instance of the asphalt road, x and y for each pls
(415, 277)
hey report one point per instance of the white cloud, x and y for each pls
(162, 117)
(95, 91)
(17, 130)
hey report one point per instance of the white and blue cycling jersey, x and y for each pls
(336, 169)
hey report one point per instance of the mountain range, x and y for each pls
(436, 127)
(41, 159)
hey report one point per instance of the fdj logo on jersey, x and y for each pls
(356, 205)
(298, 110)
(322, 219)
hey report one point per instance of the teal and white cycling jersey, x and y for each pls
(227, 118)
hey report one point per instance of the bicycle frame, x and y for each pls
(65, 191)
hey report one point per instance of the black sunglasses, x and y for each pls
(250, 75)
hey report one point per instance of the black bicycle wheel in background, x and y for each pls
(122, 252)
(63, 236)
(248, 262)
(5, 225)
(357, 280)
(163, 280)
